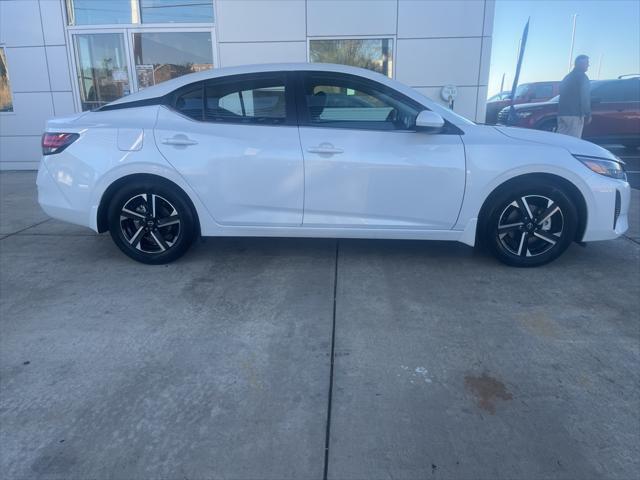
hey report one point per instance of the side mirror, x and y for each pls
(428, 120)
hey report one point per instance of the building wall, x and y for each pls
(32, 34)
(436, 42)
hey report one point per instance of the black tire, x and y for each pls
(548, 126)
(148, 235)
(522, 240)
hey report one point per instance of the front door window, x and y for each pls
(102, 68)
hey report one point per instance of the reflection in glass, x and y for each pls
(6, 102)
(162, 56)
(102, 70)
(96, 12)
(111, 12)
(371, 53)
(176, 11)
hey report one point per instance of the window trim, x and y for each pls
(11, 95)
(303, 114)
(393, 39)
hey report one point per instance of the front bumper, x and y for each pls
(608, 218)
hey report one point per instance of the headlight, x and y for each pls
(603, 166)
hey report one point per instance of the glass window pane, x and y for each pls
(166, 55)
(177, 11)
(252, 101)
(630, 90)
(102, 70)
(191, 104)
(371, 53)
(606, 91)
(97, 12)
(543, 91)
(6, 101)
(343, 101)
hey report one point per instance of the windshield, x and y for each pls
(499, 96)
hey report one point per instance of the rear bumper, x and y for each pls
(54, 202)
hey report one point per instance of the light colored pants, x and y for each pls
(571, 125)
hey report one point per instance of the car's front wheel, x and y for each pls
(528, 226)
(151, 222)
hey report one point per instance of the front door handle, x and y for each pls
(181, 140)
(325, 148)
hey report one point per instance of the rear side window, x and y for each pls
(630, 90)
(617, 91)
(260, 100)
(190, 103)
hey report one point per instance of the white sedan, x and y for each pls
(314, 150)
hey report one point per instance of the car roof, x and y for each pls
(170, 85)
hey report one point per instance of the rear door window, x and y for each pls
(261, 100)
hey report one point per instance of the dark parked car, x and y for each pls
(525, 93)
(615, 108)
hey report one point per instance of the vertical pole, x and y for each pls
(502, 84)
(573, 39)
(600, 64)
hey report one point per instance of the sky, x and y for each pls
(607, 29)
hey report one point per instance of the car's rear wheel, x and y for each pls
(531, 225)
(152, 222)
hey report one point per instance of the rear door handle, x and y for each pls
(181, 140)
(325, 148)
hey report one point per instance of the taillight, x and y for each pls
(55, 142)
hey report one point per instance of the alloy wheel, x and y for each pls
(530, 226)
(150, 223)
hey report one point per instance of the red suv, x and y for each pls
(615, 112)
(525, 93)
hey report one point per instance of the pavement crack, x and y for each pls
(327, 438)
(23, 229)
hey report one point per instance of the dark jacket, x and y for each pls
(575, 95)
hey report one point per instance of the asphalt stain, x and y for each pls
(539, 323)
(487, 390)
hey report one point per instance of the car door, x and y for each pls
(235, 141)
(366, 166)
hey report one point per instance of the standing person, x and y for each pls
(574, 107)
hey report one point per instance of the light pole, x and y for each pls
(573, 39)
(600, 64)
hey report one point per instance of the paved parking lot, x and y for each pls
(280, 358)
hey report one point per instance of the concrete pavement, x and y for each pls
(446, 364)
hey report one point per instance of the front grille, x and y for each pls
(503, 116)
(616, 212)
